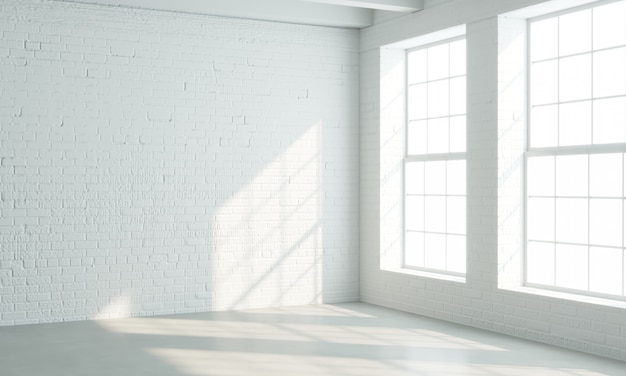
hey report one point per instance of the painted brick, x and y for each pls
(117, 196)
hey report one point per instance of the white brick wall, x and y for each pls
(154, 162)
(487, 299)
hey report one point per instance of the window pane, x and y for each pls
(540, 263)
(544, 129)
(609, 120)
(435, 210)
(414, 213)
(456, 215)
(544, 39)
(571, 220)
(540, 176)
(540, 219)
(457, 134)
(575, 123)
(457, 58)
(418, 102)
(435, 252)
(438, 62)
(605, 270)
(457, 96)
(456, 177)
(575, 78)
(606, 175)
(571, 175)
(417, 137)
(544, 83)
(571, 266)
(414, 178)
(438, 98)
(438, 135)
(417, 66)
(575, 32)
(605, 219)
(609, 25)
(609, 72)
(414, 249)
(456, 253)
(435, 177)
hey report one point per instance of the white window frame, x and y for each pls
(587, 150)
(432, 157)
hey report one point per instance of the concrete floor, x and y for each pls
(341, 339)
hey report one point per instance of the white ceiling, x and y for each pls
(337, 13)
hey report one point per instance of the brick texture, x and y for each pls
(155, 162)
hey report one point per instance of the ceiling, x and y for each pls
(337, 13)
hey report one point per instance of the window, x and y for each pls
(576, 154)
(434, 164)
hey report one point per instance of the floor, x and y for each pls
(340, 339)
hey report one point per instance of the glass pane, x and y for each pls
(456, 178)
(456, 253)
(609, 121)
(414, 249)
(544, 39)
(605, 270)
(417, 137)
(571, 267)
(417, 66)
(575, 32)
(438, 136)
(540, 263)
(575, 78)
(540, 176)
(609, 74)
(438, 62)
(571, 220)
(606, 175)
(435, 252)
(544, 83)
(571, 175)
(414, 178)
(544, 128)
(540, 219)
(438, 98)
(435, 209)
(456, 217)
(418, 102)
(457, 96)
(414, 213)
(457, 58)
(457, 134)
(575, 123)
(605, 216)
(609, 25)
(435, 177)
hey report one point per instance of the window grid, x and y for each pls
(435, 205)
(536, 274)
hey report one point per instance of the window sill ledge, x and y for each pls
(425, 274)
(568, 296)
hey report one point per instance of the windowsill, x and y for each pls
(425, 274)
(567, 296)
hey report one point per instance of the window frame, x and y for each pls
(587, 150)
(432, 157)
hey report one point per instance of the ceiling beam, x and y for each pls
(391, 5)
(310, 13)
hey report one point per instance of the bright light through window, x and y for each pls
(575, 163)
(435, 197)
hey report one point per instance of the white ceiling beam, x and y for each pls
(290, 11)
(391, 5)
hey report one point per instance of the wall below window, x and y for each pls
(490, 297)
(156, 162)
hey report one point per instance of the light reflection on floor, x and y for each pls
(343, 339)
